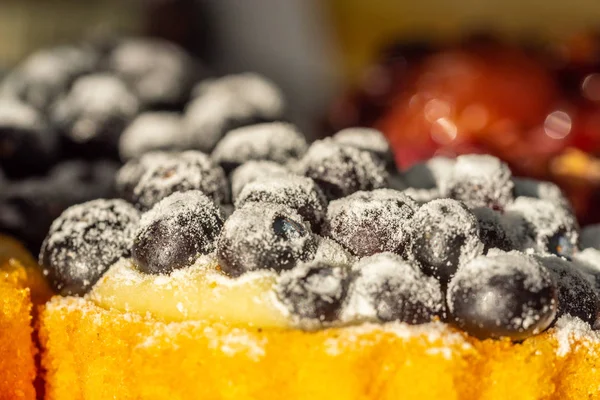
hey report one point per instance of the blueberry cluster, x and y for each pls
(70, 115)
(350, 238)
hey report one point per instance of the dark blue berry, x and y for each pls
(152, 131)
(296, 192)
(504, 295)
(492, 230)
(251, 171)
(275, 141)
(443, 234)
(175, 232)
(385, 288)
(314, 291)
(370, 140)
(366, 223)
(85, 241)
(264, 236)
(341, 170)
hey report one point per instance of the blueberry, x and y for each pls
(576, 294)
(152, 131)
(480, 181)
(27, 143)
(370, 140)
(539, 190)
(95, 112)
(434, 173)
(177, 230)
(178, 172)
(366, 223)
(341, 170)
(28, 207)
(220, 105)
(297, 192)
(492, 230)
(129, 175)
(85, 241)
(331, 252)
(443, 234)
(385, 288)
(550, 227)
(264, 236)
(313, 291)
(160, 73)
(587, 262)
(252, 170)
(505, 295)
(274, 141)
(47, 74)
(590, 237)
(422, 196)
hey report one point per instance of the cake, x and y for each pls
(20, 284)
(332, 276)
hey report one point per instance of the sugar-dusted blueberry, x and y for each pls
(178, 172)
(177, 230)
(539, 190)
(160, 73)
(274, 141)
(385, 287)
(297, 192)
(368, 139)
(313, 292)
(492, 229)
(443, 234)
(503, 295)
(85, 241)
(27, 143)
(480, 181)
(47, 74)
(131, 172)
(430, 174)
(264, 236)
(590, 237)
(96, 110)
(576, 294)
(252, 170)
(551, 227)
(366, 223)
(422, 196)
(152, 131)
(341, 170)
(587, 262)
(331, 252)
(233, 101)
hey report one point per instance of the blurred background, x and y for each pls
(516, 78)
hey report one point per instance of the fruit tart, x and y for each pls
(21, 283)
(329, 275)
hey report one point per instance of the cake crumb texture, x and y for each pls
(93, 353)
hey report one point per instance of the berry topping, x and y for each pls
(296, 192)
(539, 190)
(480, 181)
(492, 230)
(178, 172)
(366, 223)
(502, 295)
(264, 236)
(387, 288)
(85, 241)
(576, 294)
(313, 291)
(96, 109)
(443, 234)
(588, 262)
(341, 170)
(590, 237)
(433, 173)
(27, 144)
(274, 141)
(220, 105)
(160, 73)
(368, 139)
(177, 230)
(130, 174)
(251, 171)
(551, 227)
(152, 131)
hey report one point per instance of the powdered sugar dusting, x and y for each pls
(252, 170)
(571, 332)
(152, 131)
